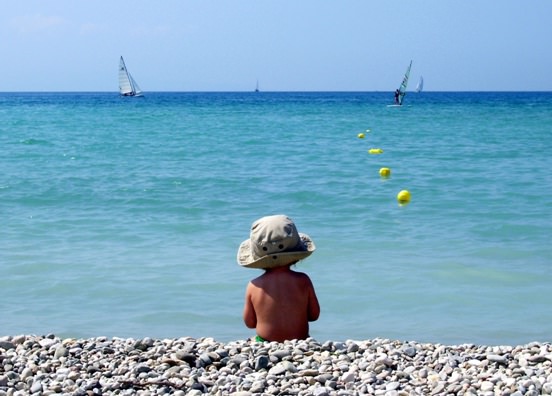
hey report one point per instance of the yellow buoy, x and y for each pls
(375, 151)
(385, 172)
(403, 197)
(361, 135)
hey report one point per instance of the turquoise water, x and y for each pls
(122, 216)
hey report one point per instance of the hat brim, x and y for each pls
(246, 258)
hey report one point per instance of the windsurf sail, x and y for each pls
(401, 92)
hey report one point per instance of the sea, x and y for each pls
(122, 217)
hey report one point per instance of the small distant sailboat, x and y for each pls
(257, 86)
(420, 86)
(401, 92)
(127, 84)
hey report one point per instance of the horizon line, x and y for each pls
(288, 91)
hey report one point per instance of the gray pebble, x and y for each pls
(36, 387)
(6, 345)
(261, 362)
(498, 358)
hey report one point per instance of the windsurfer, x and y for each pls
(397, 93)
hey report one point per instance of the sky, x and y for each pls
(285, 45)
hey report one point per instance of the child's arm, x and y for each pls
(249, 315)
(314, 306)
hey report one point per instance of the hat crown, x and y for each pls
(274, 242)
(274, 234)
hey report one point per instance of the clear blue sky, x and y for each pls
(287, 45)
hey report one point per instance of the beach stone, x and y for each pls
(280, 354)
(261, 362)
(486, 386)
(537, 358)
(352, 347)
(36, 387)
(340, 346)
(279, 369)
(409, 351)
(348, 377)
(497, 358)
(47, 342)
(391, 386)
(18, 339)
(438, 389)
(7, 345)
(187, 357)
(423, 372)
(308, 373)
(319, 391)
(282, 367)
(257, 387)
(327, 346)
(205, 359)
(141, 368)
(61, 351)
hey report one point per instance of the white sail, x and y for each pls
(137, 90)
(127, 85)
(420, 86)
(404, 84)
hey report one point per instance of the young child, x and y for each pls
(280, 303)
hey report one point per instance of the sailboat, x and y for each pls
(257, 86)
(401, 92)
(127, 85)
(420, 86)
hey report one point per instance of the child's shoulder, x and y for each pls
(300, 276)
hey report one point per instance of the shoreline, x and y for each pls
(49, 365)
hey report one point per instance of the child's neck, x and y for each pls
(284, 268)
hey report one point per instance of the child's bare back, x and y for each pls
(280, 303)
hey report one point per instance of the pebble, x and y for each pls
(49, 365)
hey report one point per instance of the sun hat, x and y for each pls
(274, 242)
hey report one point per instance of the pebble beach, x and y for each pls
(50, 365)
